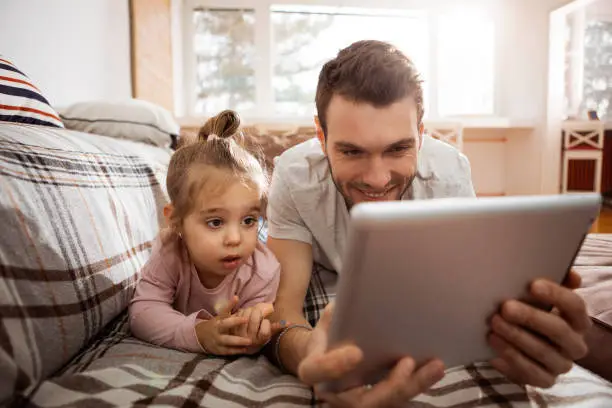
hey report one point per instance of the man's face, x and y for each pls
(372, 152)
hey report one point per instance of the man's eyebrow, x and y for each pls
(347, 146)
(406, 142)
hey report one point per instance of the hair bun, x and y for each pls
(224, 125)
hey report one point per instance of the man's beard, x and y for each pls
(349, 201)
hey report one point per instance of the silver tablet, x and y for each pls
(421, 278)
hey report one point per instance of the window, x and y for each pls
(306, 37)
(224, 47)
(465, 80)
(588, 65)
(263, 59)
(597, 92)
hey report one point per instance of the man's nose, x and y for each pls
(377, 175)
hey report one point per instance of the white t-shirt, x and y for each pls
(305, 205)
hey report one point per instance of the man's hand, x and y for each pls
(215, 335)
(534, 347)
(257, 327)
(403, 383)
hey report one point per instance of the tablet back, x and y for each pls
(421, 278)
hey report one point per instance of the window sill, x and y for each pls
(281, 123)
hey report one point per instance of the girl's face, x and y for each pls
(221, 231)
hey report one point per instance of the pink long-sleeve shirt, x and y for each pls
(170, 299)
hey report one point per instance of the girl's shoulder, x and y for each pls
(167, 249)
(265, 264)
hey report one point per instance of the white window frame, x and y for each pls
(264, 111)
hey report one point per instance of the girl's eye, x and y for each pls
(215, 223)
(248, 221)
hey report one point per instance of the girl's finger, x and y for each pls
(226, 340)
(231, 351)
(231, 323)
(277, 327)
(266, 309)
(254, 323)
(243, 330)
(264, 332)
(226, 311)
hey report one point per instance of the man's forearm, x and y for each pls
(288, 348)
(292, 348)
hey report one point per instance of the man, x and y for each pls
(371, 147)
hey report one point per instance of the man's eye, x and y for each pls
(214, 223)
(351, 153)
(399, 149)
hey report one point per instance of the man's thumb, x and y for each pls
(326, 317)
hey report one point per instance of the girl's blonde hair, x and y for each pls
(219, 146)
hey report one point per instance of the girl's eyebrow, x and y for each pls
(215, 210)
(211, 211)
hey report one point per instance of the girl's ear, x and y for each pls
(168, 211)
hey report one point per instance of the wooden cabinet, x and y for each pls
(581, 173)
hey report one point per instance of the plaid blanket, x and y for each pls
(119, 370)
(78, 214)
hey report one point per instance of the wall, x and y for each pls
(551, 140)
(523, 71)
(75, 50)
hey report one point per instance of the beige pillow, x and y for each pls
(131, 119)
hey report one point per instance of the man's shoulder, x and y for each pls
(443, 171)
(300, 153)
(441, 158)
(303, 163)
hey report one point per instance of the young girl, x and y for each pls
(209, 284)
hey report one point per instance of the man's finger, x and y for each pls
(536, 348)
(226, 311)
(520, 366)
(569, 303)
(326, 318)
(573, 280)
(318, 337)
(506, 370)
(227, 340)
(330, 365)
(227, 324)
(403, 383)
(549, 325)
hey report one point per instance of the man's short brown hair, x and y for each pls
(368, 71)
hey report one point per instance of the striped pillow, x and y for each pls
(21, 101)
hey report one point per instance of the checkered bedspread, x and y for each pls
(78, 213)
(119, 370)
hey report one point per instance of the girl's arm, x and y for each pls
(263, 285)
(152, 316)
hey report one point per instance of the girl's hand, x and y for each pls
(217, 335)
(258, 329)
